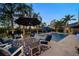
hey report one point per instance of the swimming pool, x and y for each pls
(58, 36)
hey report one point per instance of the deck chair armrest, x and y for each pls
(48, 45)
(44, 45)
(43, 41)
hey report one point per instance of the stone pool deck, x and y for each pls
(65, 47)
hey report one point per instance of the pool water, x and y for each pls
(58, 36)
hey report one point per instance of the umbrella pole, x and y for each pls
(13, 33)
(29, 29)
(37, 29)
(23, 31)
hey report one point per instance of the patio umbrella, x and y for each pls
(27, 21)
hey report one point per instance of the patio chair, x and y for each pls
(46, 41)
(31, 47)
(4, 52)
(11, 51)
(77, 35)
(34, 48)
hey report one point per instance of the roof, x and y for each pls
(74, 25)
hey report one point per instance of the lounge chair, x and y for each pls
(4, 52)
(77, 35)
(11, 51)
(17, 52)
(46, 42)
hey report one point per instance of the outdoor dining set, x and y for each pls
(29, 46)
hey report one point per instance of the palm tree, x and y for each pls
(66, 19)
(58, 24)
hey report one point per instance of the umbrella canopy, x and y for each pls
(27, 21)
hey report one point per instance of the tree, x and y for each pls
(66, 19)
(23, 9)
(52, 24)
(43, 24)
(37, 15)
(9, 11)
(58, 24)
(4, 23)
(12, 10)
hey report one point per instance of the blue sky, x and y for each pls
(50, 11)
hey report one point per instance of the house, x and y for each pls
(74, 27)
